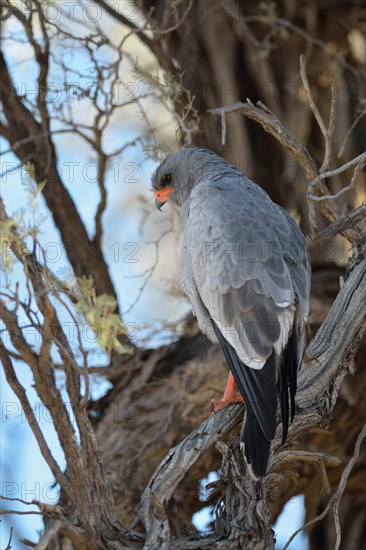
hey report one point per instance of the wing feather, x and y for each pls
(244, 257)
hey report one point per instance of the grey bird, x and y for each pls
(245, 268)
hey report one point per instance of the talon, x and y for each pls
(230, 396)
(218, 404)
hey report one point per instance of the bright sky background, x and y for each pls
(24, 473)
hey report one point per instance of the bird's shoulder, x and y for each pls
(236, 212)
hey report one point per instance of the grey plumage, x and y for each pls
(246, 270)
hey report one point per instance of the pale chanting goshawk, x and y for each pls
(245, 268)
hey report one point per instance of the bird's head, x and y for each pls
(171, 181)
(176, 176)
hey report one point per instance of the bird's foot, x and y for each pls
(230, 396)
(218, 404)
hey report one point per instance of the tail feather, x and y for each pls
(262, 389)
(290, 363)
(258, 387)
(282, 389)
(255, 446)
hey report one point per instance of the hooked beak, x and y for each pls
(162, 195)
(159, 204)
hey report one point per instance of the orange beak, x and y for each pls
(162, 195)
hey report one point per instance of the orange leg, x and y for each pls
(230, 395)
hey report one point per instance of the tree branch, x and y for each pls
(20, 392)
(336, 498)
(130, 24)
(79, 247)
(172, 470)
(319, 382)
(93, 498)
(271, 124)
(347, 222)
(324, 130)
(359, 161)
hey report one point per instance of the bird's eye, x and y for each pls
(166, 179)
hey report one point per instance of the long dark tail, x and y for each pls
(258, 387)
(261, 389)
(255, 446)
(261, 413)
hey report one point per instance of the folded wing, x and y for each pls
(250, 268)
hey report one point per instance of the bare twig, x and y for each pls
(58, 199)
(45, 509)
(279, 22)
(122, 19)
(346, 222)
(273, 126)
(336, 498)
(8, 546)
(20, 513)
(360, 162)
(178, 22)
(318, 117)
(150, 271)
(20, 392)
(343, 481)
(30, 139)
(270, 123)
(332, 115)
(350, 130)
